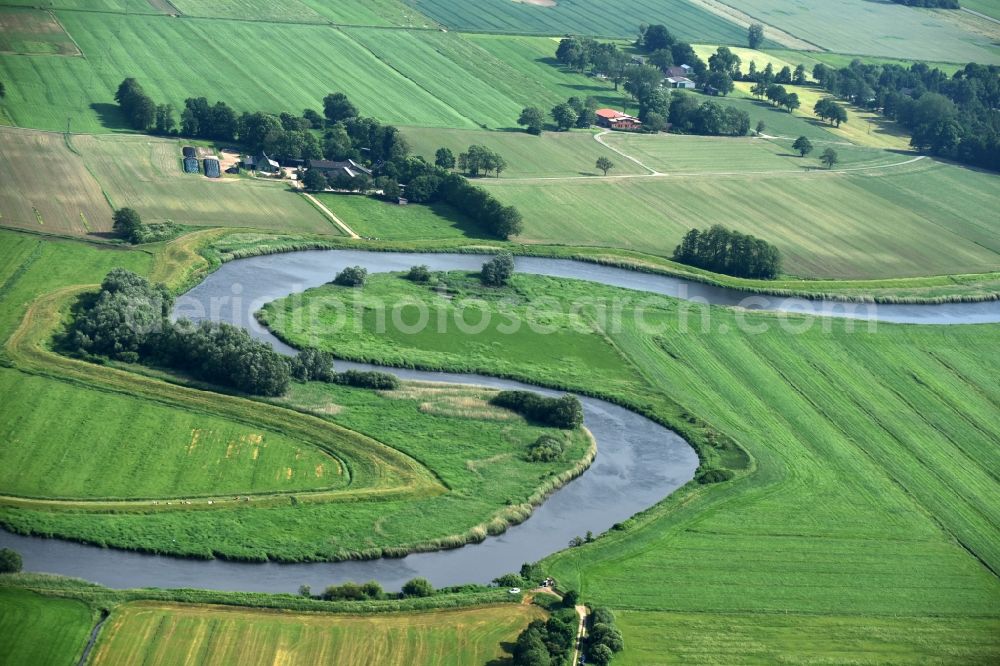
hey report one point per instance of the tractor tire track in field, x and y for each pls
(599, 139)
(688, 174)
(330, 214)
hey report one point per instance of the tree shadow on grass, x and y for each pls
(110, 116)
(468, 227)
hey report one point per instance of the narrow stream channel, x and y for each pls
(638, 464)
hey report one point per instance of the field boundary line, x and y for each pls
(329, 213)
(599, 139)
(686, 174)
(980, 15)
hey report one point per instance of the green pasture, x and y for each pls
(115, 446)
(872, 492)
(878, 223)
(373, 218)
(708, 156)
(25, 31)
(422, 78)
(42, 631)
(573, 153)
(988, 7)
(663, 637)
(166, 634)
(290, 11)
(882, 29)
(583, 17)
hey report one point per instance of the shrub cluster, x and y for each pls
(714, 476)
(546, 449)
(127, 223)
(352, 276)
(10, 561)
(498, 270)
(381, 381)
(480, 159)
(351, 591)
(563, 412)
(420, 274)
(725, 251)
(604, 639)
(312, 365)
(545, 643)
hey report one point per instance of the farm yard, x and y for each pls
(98, 173)
(163, 634)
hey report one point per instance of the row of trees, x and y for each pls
(562, 412)
(956, 117)
(604, 639)
(828, 109)
(777, 95)
(730, 252)
(478, 160)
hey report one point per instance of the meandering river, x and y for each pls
(639, 462)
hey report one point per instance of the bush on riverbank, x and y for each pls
(565, 412)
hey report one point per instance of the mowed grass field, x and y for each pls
(572, 153)
(32, 31)
(42, 631)
(872, 496)
(116, 446)
(46, 186)
(689, 154)
(374, 218)
(879, 223)
(404, 77)
(882, 29)
(167, 634)
(686, 20)
(68, 184)
(687, 638)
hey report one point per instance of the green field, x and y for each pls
(821, 222)
(29, 31)
(702, 155)
(374, 218)
(95, 173)
(165, 634)
(873, 455)
(662, 637)
(988, 7)
(115, 446)
(882, 29)
(290, 11)
(422, 78)
(551, 154)
(584, 17)
(42, 631)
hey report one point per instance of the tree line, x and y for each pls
(730, 252)
(128, 320)
(689, 116)
(955, 116)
